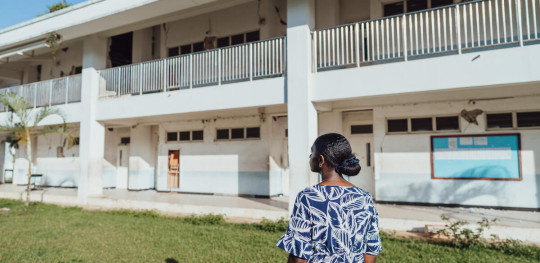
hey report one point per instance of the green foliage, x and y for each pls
(209, 219)
(49, 233)
(461, 236)
(58, 6)
(274, 226)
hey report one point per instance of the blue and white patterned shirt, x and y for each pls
(332, 224)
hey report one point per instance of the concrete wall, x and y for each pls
(403, 170)
(68, 56)
(230, 21)
(223, 166)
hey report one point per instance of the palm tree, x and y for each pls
(24, 125)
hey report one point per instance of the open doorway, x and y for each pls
(173, 177)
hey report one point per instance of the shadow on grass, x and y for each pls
(171, 260)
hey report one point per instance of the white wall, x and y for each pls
(222, 166)
(403, 169)
(225, 22)
(51, 68)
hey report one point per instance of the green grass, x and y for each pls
(48, 233)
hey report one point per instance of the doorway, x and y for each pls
(358, 128)
(173, 177)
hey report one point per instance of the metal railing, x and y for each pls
(48, 92)
(243, 62)
(453, 28)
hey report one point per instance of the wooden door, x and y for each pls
(173, 178)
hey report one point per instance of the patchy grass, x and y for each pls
(48, 233)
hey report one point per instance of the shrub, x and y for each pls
(209, 219)
(274, 226)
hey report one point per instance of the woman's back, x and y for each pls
(332, 224)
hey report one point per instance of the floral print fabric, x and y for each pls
(332, 224)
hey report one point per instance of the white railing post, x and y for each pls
(518, 18)
(191, 70)
(67, 90)
(165, 74)
(404, 32)
(35, 95)
(50, 91)
(458, 29)
(314, 48)
(357, 43)
(250, 61)
(141, 76)
(219, 66)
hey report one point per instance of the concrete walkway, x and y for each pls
(510, 224)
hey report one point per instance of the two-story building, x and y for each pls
(439, 99)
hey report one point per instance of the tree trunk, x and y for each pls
(29, 157)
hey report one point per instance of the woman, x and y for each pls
(333, 221)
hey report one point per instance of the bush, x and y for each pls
(461, 236)
(274, 226)
(209, 219)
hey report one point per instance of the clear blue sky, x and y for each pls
(17, 11)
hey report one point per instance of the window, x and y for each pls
(173, 52)
(223, 134)
(172, 136)
(499, 120)
(528, 119)
(447, 123)
(125, 140)
(439, 3)
(223, 42)
(399, 125)
(421, 124)
(394, 9)
(253, 132)
(185, 49)
(197, 135)
(416, 5)
(198, 47)
(287, 133)
(413, 5)
(237, 133)
(253, 36)
(185, 136)
(38, 72)
(361, 129)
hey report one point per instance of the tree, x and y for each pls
(58, 6)
(24, 125)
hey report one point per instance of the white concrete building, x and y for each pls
(440, 99)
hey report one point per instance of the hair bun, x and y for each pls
(350, 166)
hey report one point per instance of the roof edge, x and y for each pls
(49, 15)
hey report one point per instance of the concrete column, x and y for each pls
(302, 115)
(92, 133)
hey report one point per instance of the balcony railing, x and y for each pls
(48, 92)
(452, 29)
(243, 62)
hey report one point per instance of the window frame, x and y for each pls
(245, 138)
(435, 128)
(514, 120)
(185, 141)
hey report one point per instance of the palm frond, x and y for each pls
(18, 105)
(46, 112)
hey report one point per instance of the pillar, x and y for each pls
(302, 115)
(92, 133)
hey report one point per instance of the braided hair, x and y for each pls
(337, 152)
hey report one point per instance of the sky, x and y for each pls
(18, 11)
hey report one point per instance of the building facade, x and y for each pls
(439, 99)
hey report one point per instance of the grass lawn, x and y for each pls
(48, 233)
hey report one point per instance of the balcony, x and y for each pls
(240, 63)
(58, 91)
(455, 29)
